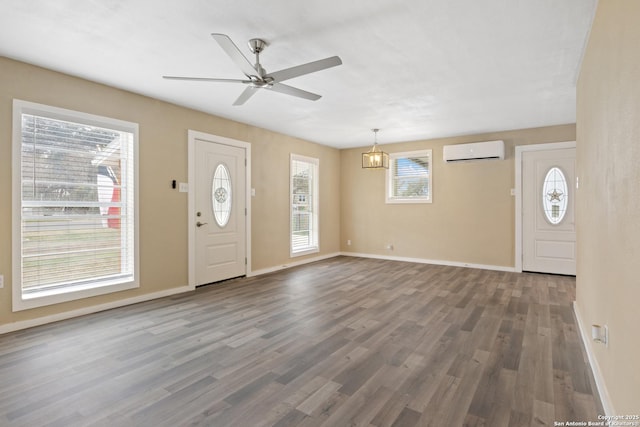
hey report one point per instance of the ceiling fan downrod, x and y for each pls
(256, 46)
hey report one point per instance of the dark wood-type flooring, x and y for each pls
(346, 341)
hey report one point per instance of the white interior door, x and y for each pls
(220, 212)
(548, 211)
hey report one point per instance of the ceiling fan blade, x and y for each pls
(245, 95)
(294, 91)
(234, 53)
(206, 79)
(300, 70)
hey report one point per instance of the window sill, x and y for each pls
(391, 201)
(70, 293)
(308, 251)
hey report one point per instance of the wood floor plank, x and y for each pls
(345, 341)
(500, 407)
(407, 418)
(320, 396)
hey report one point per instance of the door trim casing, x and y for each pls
(518, 190)
(194, 135)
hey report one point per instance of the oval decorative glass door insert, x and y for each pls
(221, 195)
(555, 195)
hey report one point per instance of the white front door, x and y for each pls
(548, 211)
(220, 212)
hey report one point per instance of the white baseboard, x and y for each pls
(16, 326)
(607, 405)
(24, 324)
(292, 264)
(430, 261)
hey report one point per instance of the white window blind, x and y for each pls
(304, 205)
(409, 177)
(77, 213)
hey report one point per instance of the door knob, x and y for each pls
(200, 224)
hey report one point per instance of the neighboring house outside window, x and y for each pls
(75, 198)
(304, 173)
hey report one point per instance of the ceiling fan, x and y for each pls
(257, 77)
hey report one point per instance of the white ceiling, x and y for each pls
(416, 69)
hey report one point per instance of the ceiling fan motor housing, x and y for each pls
(257, 45)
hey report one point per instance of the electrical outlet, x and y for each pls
(1, 281)
(348, 242)
(184, 187)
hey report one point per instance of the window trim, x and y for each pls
(55, 296)
(389, 199)
(315, 248)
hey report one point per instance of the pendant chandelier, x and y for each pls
(375, 158)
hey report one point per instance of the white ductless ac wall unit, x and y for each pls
(474, 151)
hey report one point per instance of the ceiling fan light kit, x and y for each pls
(257, 77)
(375, 158)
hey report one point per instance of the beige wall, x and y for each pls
(163, 157)
(608, 222)
(471, 219)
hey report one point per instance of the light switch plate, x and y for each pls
(1, 281)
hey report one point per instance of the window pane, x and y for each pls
(304, 234)
(77, 203)
(409, 178)
(221, 194)
(555, 195)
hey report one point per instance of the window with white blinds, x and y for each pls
(409, 177)
(76, 219)
(304, 205)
